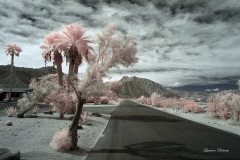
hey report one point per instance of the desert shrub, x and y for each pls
(142, 100)
(61, 141)
(181, 104)
(192, 106)
(9, 123)
(235, 105)
(10, 111)
(84, 117)
(166, 102)
(35, 109)
(90, 100)
(155, 98)
(63, 103)
(104, 100)
(224, 105)
(149, 101)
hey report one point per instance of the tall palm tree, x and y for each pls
(12, 49)
(51, 52)
(76, 47)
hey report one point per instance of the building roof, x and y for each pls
(16, 90)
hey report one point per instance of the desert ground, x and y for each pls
(31, 136)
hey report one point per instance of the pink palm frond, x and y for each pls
(46, 55)
(74, 32)
(75, 39)
(13, 49)
(53, 38)
(51, 44)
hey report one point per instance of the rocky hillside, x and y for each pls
(134, 87)
(21, 76)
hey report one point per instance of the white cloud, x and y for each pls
(213, 90)
(184, 42)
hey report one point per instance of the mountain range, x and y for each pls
(21, 76)
(132, 87)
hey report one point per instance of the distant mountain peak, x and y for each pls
(135, 87)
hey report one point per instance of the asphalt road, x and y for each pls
(136, 132)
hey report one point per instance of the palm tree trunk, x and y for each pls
(11, 70)
(70, 73)
(74, 125)
(76, 66)
(59, 73)
(58, 62)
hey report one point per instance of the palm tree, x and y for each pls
(75, 46)
(51, 51)
(12, 49)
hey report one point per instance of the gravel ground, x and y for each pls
(32, 135)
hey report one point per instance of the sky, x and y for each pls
(179, 42)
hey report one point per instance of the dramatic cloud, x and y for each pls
(180, 42)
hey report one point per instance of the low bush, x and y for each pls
(10, 111)
(61, 141)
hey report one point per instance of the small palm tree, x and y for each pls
(52, 52)
(12, 49)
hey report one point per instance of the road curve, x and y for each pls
(136, 132)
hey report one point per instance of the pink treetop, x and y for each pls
(51, 44)
(74, 42)
(13, 49)
(110, 54)
(116, 49)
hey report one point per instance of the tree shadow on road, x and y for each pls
(145, 118)
(166, 150)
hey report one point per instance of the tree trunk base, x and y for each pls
(74, 125)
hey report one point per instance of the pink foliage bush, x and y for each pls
(155, 98)
(166, 103)
(192, 106)
(90, 99)
(142, 100)
(149, 101)
(181, 104)
(63, 102)
(224, 105)
(61, 141)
